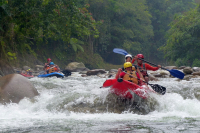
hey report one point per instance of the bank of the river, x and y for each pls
(91, 62)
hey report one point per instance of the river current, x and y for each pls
(78, 104)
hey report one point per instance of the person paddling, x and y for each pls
(144, 66)
(52, 68)
(28, 72)
(47, 64)
(128, 58)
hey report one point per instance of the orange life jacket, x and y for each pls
(51, 69)
(47, 68)
(130, 78)
(54, 69)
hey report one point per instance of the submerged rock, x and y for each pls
(115, 104)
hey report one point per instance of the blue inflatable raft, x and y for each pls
(58, 75)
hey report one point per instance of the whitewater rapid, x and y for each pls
(72, 105)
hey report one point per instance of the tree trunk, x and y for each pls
(91, 44)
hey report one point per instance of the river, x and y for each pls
(78, 104)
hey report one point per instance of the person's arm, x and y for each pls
(134, 59)
(45, 65)
(141, 76)
(148, 67)
(118, 72)
(57, 67)
(121, 75)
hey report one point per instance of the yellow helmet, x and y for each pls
(127, 64)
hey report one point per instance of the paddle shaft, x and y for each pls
(151, 63)
(173, 72)
(135, 77)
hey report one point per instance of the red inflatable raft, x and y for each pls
(126, 89)
(27, 75)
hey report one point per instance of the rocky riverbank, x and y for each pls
(190, 72)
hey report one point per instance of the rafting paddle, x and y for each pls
(173, 72)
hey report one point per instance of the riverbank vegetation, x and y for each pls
(88, 30)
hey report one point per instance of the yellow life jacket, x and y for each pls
(51, 70)
(129, 78)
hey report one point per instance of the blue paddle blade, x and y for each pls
(177, 73)
(120, 51)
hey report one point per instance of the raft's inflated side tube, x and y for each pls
(58, 75)
(26, 75)
(125, 88)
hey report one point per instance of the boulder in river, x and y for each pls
(188, 70)
(170, 67)
(76, 67)
(14, 87)
(95, 72)
(39, 67)
(182, 67)
(196, 69)
(196, 73)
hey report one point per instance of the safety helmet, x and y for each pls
(140, 56)
(127, 64)
(51, 63)
(49, 59)
(128, 55)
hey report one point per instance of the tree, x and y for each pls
(183, 42)
(162, 12)
(30, 25)
(126, 24)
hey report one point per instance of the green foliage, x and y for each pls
(59, 54)
(30, 25)
(183, 38)
(163, 12)
(69, 27)
(76, 44)
(180, 62)
(126, 24)
(196, 63)
(11, 56)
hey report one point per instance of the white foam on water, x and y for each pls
(53, 91)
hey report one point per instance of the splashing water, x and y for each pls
(78, 104)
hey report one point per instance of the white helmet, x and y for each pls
(128, 55)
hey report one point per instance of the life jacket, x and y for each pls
(47, 68)
(54, 69)
(143, 70)
(130, 78)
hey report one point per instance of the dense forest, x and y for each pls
(165, 31)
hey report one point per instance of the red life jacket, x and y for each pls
(143, 70)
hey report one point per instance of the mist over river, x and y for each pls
(78, 104)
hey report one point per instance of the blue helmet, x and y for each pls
(51, 63)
